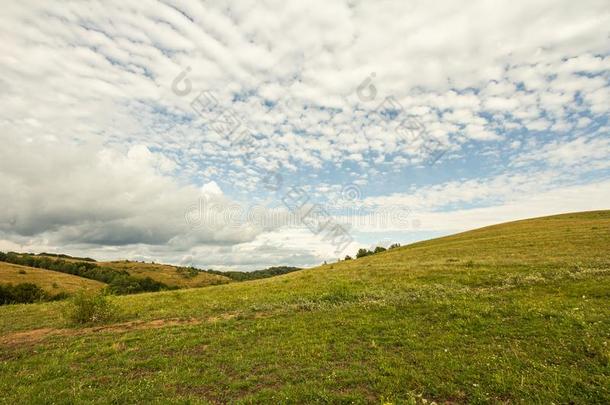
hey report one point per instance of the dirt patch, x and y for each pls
(26, 337)
(37, 335)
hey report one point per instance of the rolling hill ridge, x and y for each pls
(507, 313)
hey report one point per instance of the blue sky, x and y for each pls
(176, 131)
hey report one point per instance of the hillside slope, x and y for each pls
(170, 275)
(508, 313)
(52, 282)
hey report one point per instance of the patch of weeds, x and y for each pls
(338, 295)
(87, 309)
(306, 305)
(575, 269)
(187, 272)
(176, 295)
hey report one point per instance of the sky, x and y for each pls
(241, 135)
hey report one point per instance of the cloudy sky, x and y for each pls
(243, 134)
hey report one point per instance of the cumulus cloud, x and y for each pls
(88, 194)
(426, 104)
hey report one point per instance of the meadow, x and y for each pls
(516, 312)
(51, 281)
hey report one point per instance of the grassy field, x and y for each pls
(517, 312)
(169, 275)
(52, 282)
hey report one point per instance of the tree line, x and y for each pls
(254, 275)
(119, 281)
(367, 252)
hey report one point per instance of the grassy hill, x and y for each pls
(121, 276)
(167, 274)
(171, 276)
(52, 282)
(508, 313)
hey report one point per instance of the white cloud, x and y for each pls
(211, 188)
(99, 149)
(590, 197)
(588, 152)
(88, 194)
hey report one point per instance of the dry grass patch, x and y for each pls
(52, 282)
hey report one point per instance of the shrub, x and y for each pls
(28, 293)
(6, 294)
(132, 285)
(87, 308)
(187, 272)
(348, 257)
(363, 252)
(22, 271)
(379, 249)
(394, 246)
(24, 293)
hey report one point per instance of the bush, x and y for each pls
(22, 271)
(87, 308)
(6, 295)
(187, 272)
(24, 293)
(28, 293)
(363, 252)
(379, 249)
(132, 285)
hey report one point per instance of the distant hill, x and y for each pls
(256, 274)
(51, 281)
(66, 257)
(167, 275)
(118, 281)
(171, 275)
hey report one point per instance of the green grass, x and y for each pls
(509, 313)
